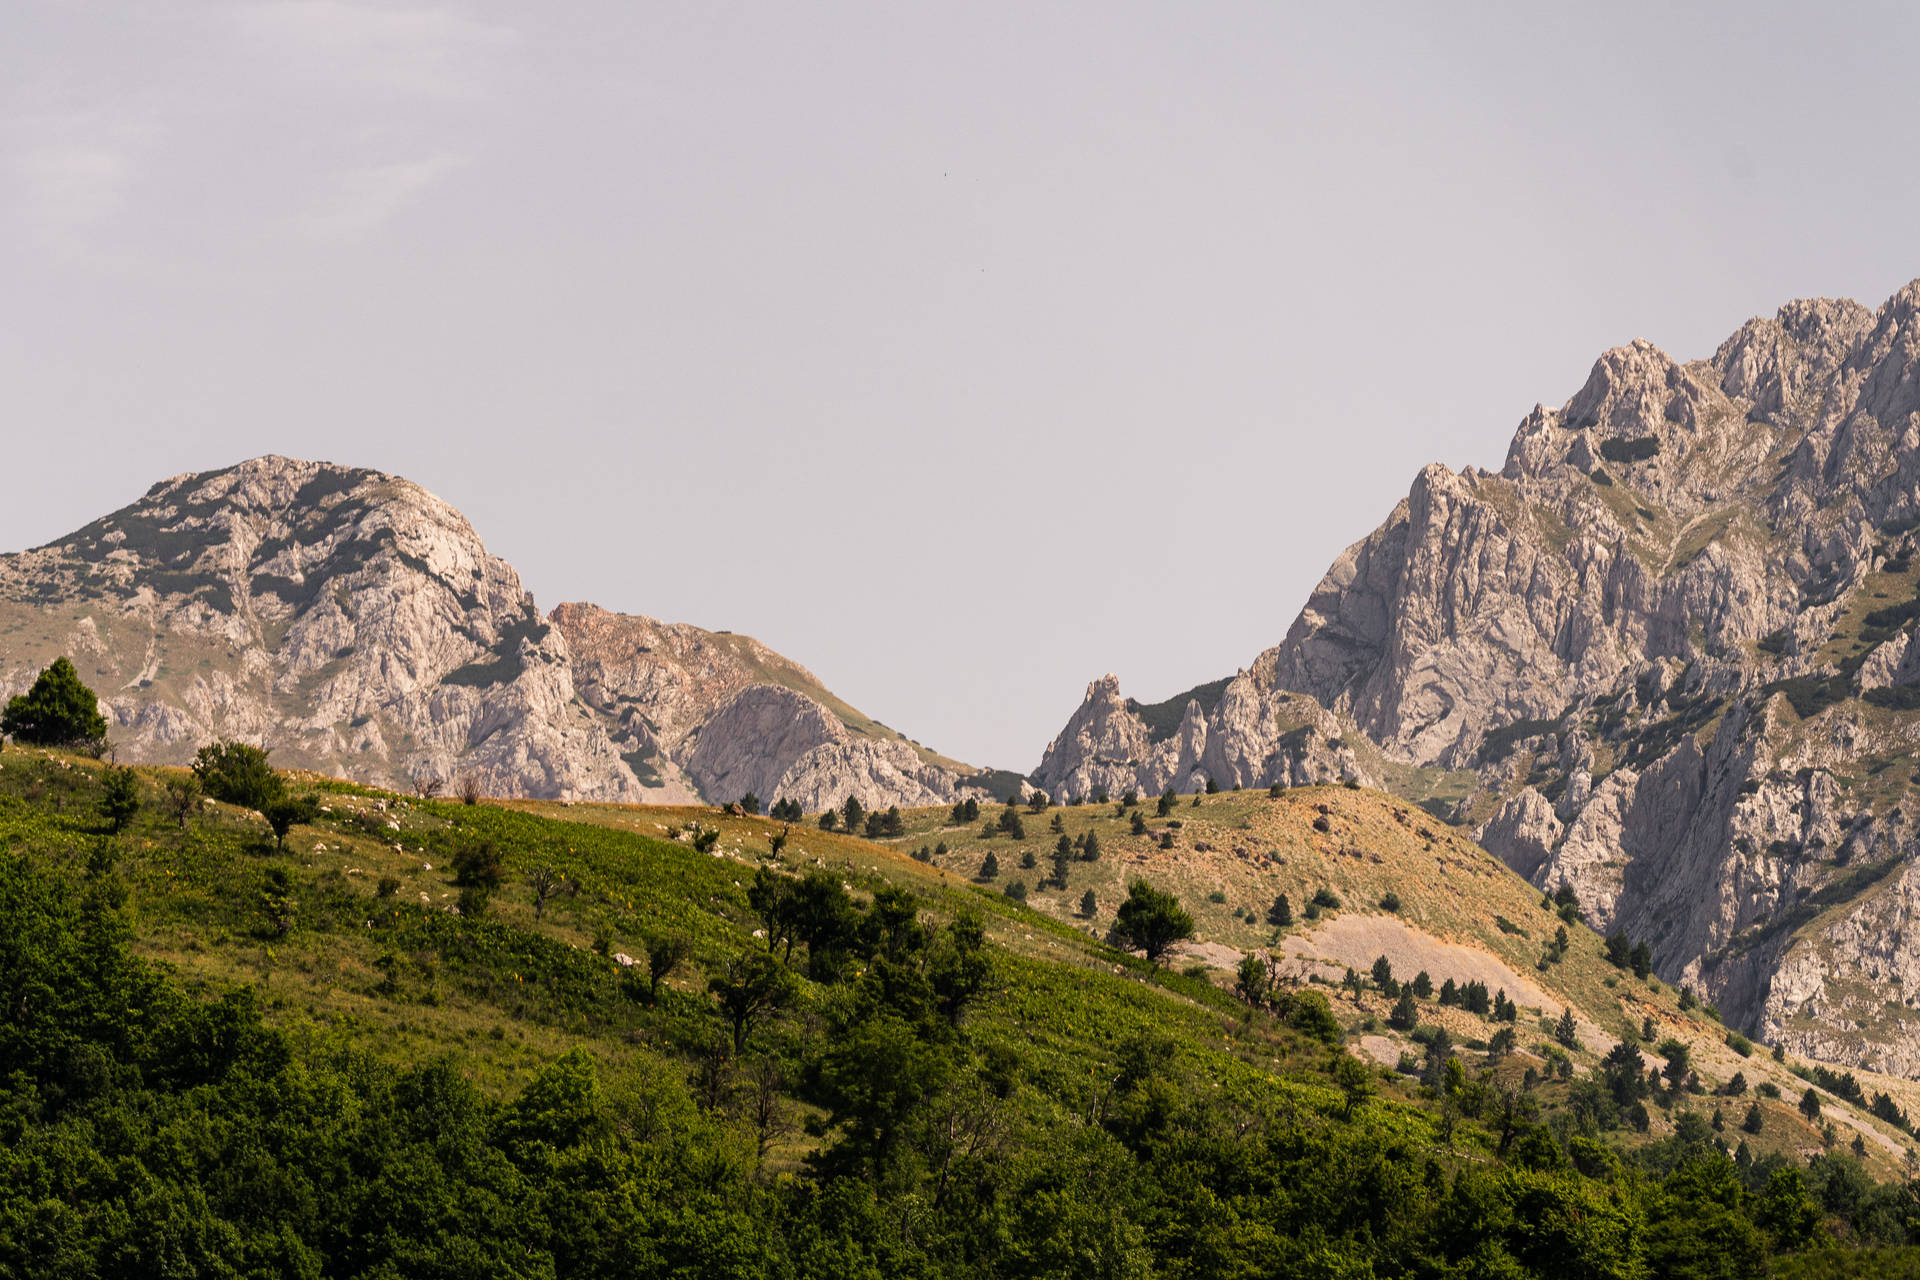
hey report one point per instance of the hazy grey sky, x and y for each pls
(961, 352)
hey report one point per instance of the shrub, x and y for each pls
(469, 788)
(288, 812)
(1390, 901)
(1324, 898)
(476, 864)
(182, 798)
(238, 773)
(121, 799)
(389, 885)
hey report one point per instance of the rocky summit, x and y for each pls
(1664, 656)
(354, 623)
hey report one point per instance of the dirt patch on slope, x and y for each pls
(1352, 940)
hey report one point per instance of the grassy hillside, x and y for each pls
(411, 1091)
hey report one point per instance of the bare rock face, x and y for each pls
(353, 623)
(1254, 736)
(1666, 655)
(718, 715)
(349, 620)
(1523, 834)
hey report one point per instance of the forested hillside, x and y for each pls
(418, 1038)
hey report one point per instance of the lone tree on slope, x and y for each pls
(58, 711)
(1151, 921)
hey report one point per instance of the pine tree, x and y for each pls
(1566, 1031)
(1755, 1120)
(1090, 851)
(58, 711)
(121, 800)
(1088, 904)
(1405, 1013)
(1280, 914)
(990, 867)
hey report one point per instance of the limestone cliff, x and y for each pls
(348, 619)
(723, 715)
(1664, 655)
(353, 622)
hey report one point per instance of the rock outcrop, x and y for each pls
(721, 715)
(354, 623)
(348, 619)
(1253, 736)
(1664, 656)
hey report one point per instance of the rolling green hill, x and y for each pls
(227, 1059)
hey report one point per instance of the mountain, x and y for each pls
(720, 715)
(354, 623)
(1663, 656)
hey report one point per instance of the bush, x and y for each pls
(121, 799)
(288, 812)
(389, 885)
(477, 865)
(239, 774)
(1325, 899)
(1390, 901)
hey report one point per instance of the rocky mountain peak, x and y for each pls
(355, 623)
(1666, 656)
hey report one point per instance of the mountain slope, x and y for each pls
(726, 716)
(354, 623)
(1669, 642)
(331, 1048)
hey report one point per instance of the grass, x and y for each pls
(507, 993)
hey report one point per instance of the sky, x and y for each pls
(961, 352)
